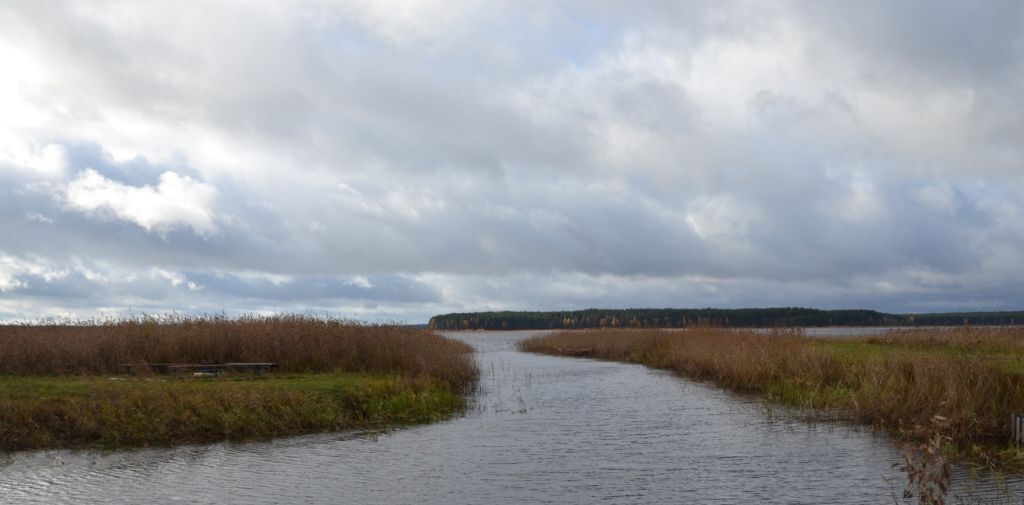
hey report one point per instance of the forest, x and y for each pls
(787, 317)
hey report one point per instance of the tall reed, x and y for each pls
(298, 343)
(990, 338)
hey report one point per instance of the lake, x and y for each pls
(542, 429)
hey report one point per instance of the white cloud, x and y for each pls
(48, 161)
(360, 281)
(9, 269)
(176, 201)
(177, 279)
(13, 270)
(275, 279)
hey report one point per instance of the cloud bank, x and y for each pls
(395, 159)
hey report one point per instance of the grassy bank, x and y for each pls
(41, 412)
(898, 381)
(62, 385)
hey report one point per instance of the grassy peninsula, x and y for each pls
(64, 386)
(972, 377)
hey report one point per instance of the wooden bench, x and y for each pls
(197, 369)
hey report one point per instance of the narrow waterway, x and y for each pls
(542, 430)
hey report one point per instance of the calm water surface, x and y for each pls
(543, 430)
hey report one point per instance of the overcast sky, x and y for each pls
(395, 159)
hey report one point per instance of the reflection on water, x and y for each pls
(542, 430)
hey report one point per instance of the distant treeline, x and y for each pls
(739, 318)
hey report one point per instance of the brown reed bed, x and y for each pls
(57, 387)
(896, 380)
(1007, 339)
(298, 343)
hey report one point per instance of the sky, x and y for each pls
(388, 160)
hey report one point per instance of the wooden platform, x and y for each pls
(181, 369)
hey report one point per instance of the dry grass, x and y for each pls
(298, 343)
(990, 338)
(901, 391)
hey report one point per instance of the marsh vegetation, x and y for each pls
(972, 378)
(63, 385)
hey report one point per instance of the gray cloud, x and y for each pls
(396, 159)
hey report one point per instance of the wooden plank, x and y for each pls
(175, 368)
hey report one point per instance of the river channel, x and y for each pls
(541, 430)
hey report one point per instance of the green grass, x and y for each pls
(804, 395)
(97, 412)
(860, 351)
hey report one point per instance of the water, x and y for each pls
(543, 430)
